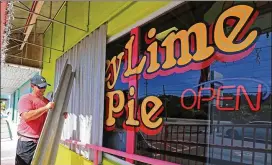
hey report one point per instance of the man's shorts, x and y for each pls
(25, 152)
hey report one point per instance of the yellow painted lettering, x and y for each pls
(146, 117)
(110, 121)
(203, 51)
(153, 52)
(169, 42)
(131, 107)
(226, 43)
(115, 71)
(138, 69)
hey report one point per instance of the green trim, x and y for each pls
(13, 106)
(18, 98)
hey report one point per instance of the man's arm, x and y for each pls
(34, 114)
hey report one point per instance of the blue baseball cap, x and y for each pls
(39, 81)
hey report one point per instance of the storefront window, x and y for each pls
(203, 87)
(246, 120)
(212, 112)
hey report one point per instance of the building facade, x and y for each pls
(182, 82)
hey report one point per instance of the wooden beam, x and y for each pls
(32, 21)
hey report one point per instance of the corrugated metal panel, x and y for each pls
(86, 105)
(47, 147)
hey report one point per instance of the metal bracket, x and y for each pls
(35, 44)
(53, 20)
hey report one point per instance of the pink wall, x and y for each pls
(3, 18)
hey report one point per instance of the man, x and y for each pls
(33, 110)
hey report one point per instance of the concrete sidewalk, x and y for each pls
(8, 146)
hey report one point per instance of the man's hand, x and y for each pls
(50, 105)
(32, 115)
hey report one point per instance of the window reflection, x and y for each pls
(220, 114)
